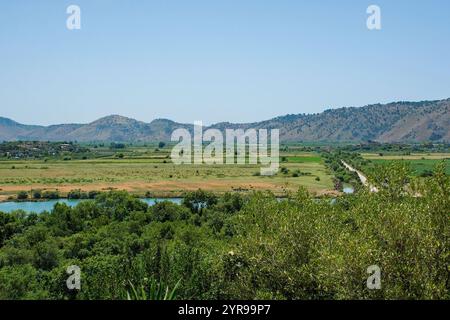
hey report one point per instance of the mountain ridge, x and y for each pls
(403, 121)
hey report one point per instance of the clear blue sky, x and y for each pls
(216, 60)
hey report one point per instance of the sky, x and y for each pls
(217, 60)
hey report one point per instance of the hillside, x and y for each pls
(394, 122)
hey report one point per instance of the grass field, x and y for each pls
(305, 158)
(420, 163)
(412, 156)
(149, 172)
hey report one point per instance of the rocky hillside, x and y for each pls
(393, 122)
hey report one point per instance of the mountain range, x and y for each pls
(425, 121)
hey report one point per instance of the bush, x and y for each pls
(92, 194)
(77, 194)
(168, 211)
(37, 194)
(114, 145)
(22, 195)
(51, 195)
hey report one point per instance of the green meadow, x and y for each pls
(146, 171)
(420, 163)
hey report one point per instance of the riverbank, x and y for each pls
(12, 197)
(42, 206)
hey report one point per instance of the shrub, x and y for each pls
(22, 195)
(50, 195)
(37, 194)
(92, 194)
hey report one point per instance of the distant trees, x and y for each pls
(40, 149)
(115, 145)
(333, 160)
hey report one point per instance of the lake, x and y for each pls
(38, 207)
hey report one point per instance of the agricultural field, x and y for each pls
(420, 163)
(149, 172)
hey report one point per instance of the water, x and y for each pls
(348, 190)
(39, 207)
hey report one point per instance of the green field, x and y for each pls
(418, 166)
(148, 171)
(144, 171)
(306, 158)
(419, 163)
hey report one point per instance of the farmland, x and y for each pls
(148, 171)
(420, 163)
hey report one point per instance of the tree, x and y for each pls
(22, 195)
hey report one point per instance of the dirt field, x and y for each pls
(159, 178)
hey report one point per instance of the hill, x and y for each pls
(426, 121)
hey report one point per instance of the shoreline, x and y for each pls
(6, 200)
(322, 194)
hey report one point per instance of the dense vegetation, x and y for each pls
(397, 148)
(39, 150)
(333, 161)
(237, 247)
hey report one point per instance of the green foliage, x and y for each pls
(115, 145)
(333, 160)
(237, 247)
(37, 194)
(198, 200)
(77, 194)
(310, 250)
(39, 149)
(152, 291)
(22, 195)
(50, 195)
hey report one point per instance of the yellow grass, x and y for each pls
(160, 179)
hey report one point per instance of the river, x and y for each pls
(41, 206)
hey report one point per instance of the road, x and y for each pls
(361, 176)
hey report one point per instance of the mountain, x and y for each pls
(426, 121)
(394, 122)
(110, 128)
